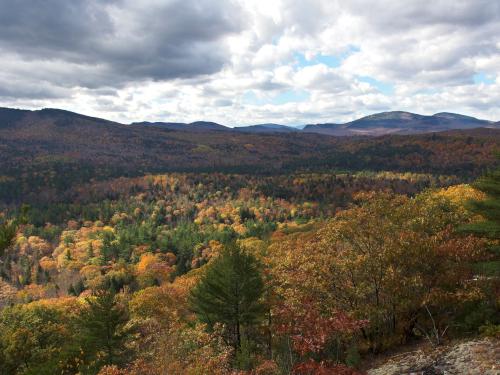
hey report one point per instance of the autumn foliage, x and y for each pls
(331, 267)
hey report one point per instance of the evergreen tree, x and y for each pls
(103, 333)
(489, 227)
(230, 293)
(488, 208)
(7, 233)
(8, 228)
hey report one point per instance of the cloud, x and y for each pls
(98, 43)
(300, 62)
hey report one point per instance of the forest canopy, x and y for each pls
(215, 273)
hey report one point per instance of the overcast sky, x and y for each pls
(251, 61)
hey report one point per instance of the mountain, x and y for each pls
(399, 122)
(162, 125)
(209, 126)
(193, 126)
(56, 149)
(45, 154)
(327, 128)
(266, 128)
(395, 122)
(10, 117)
(299, 127)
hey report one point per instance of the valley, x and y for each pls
(148, 229)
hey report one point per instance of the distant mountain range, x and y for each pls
(206, 125)
(396, 122)
(45, 154)
(266, 128)
(384, 123)
(399, 122)
(193, 126)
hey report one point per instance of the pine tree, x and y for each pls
(7, 233)
(489, 227)
(230, 293)
(102, 325)
(488, 208)
(8, 228)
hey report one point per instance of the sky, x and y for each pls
(251, 61)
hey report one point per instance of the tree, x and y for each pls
(398, 261)
(390, 260)
(489, 227)
(488, 208)
(230, 293)
(8, 231)
(37, 338)
(103, 333)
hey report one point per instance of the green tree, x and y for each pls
(488, 208)
(489, 227)
(231, 293)
(103, 329)
(35, 339)
(8, 231)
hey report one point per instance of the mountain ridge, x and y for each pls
(57, 150)
(382, 123)
(192, 126)
(400, 122)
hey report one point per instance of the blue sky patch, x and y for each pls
(383, 87)
(328, 60)
(483, 78)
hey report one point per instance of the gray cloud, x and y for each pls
(16, 87)
(113, 42)
(401, 15)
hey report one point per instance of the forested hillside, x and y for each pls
(45, 154)
(128, 250)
